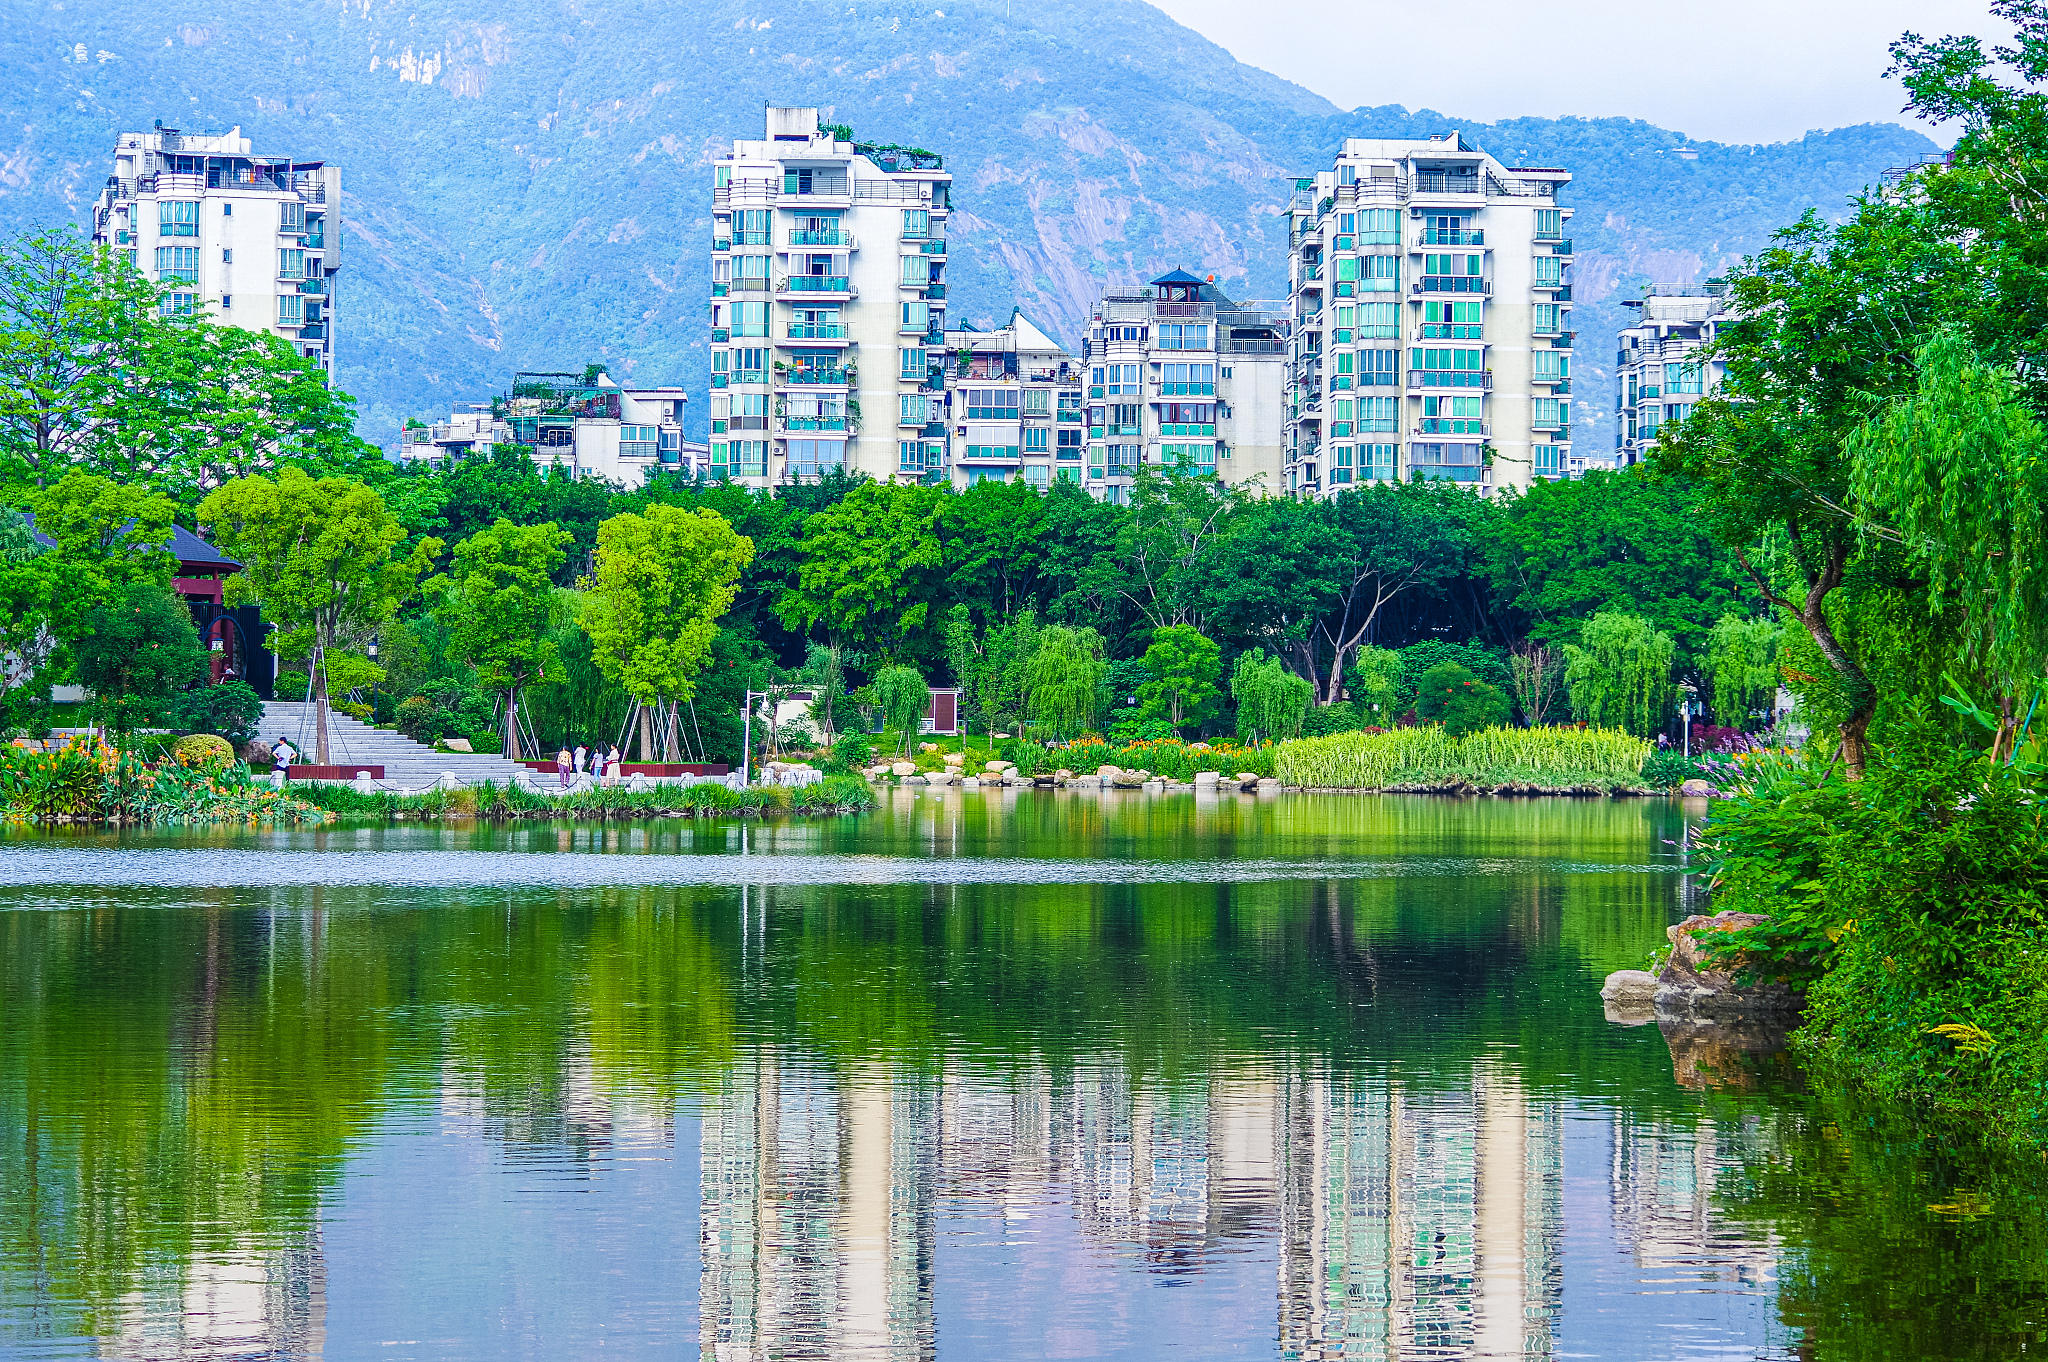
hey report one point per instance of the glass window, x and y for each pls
(915, 318)
(1377, 413)
(1678, 378)
(1546, 413)
(1380, 226)
(750, 319)
(1549, 224)
(179, 304)
(917, 270)
(909, 456)
(1380, 273)
(750, 458)
(1547, 461)
(291, 309)
(912, 360)
(178, 262)
(1036, 402)
(917, 224)
(1549, 270)
(177, 218)
(1379, 321)
(291, 263)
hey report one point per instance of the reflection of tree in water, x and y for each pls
(1901, 1238)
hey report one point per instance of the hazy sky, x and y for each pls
(1734, 71)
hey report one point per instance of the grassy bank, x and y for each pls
(834, 794)
(1491, 759)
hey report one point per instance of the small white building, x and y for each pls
(587, 425)
(1181, 376)
(1659, 370)
(249, 241)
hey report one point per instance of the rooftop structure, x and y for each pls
(1011, 409)
(584, 423)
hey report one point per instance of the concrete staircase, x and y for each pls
(407, 764)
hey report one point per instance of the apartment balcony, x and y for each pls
(1431, 182)
(814, 423)
(313, 287)
(313, 331)
(803, 332)
(1561, 247)
(749, 285)
(1442, 331)
(1454, 283)
(1180, 311)
(720, 335)
(752, 239)
(935, 292)
(1187, 389)
(719, 380)
(835, 378)
(1451, 378)
(843, 240)
(1450, 425)
(935, 246)
(816, 283)
(1432, 237)
(933, 430)
(720, 290)
(1558, 383)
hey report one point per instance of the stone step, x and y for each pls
(407, 764)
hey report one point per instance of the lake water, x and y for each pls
(992, 1075)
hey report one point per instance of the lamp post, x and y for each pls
(1686, 709)
(747, 735)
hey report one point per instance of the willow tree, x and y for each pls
(1955, 474)
(1742, 666)
(1271, 701)
(498, 604)
(904, 697)
(1064, 677)
(661, 579)
(1618, 675)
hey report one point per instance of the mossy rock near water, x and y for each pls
(203, 751)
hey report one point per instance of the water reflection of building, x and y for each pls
(1412, 1221)
(1420, 1223)
(234, 1305)
(817, 1215)
(1662, 1182)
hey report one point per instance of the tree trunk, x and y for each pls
(320, 707)
(672, 742)
(645, 723)
(1812, 615)
(512, 752)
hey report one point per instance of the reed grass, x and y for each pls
(1548, 758)
(834, 794)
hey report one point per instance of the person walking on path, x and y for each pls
(612, 766)
(562, 766)
(582, 758)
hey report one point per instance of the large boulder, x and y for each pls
(1698, 789)
(1690, 986)
(903, 768)
(999, 766)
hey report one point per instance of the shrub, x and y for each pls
(1323, 720)
(1451, 695)
(230, 709)
(291, 685)
(204, 751)
(1417, 659)
(65, 783)
(851, 752)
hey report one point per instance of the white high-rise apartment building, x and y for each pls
(827, 304)
(1659, 370)
(1180, 376)
(251, 241)
(1431, 332)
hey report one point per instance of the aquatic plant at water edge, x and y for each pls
(1555, 758)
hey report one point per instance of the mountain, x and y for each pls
(527, 187)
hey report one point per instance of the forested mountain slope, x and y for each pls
(527, 186)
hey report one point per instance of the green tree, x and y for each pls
(29, 593)
(498, 605)
(903, 696)
(994, 535)
(76, 322)
(1567, 550)
(1378, 685)
(117, 533)
(1742, 667)
(663, 578)
(138, 651)
(1063, 679)
(318, 555)
(871, 566)
(1184, 667)
(1270, 700)
(990, 665)
(1618, 675)
(211, 403)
